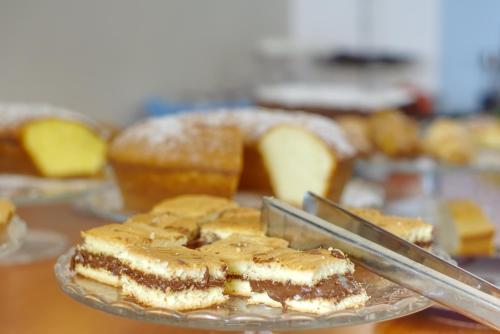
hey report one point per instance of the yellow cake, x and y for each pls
(48, 141)
(167, 157)
(470, 232)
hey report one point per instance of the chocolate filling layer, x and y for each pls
(337, 287)
(98, 261)
(115, 266)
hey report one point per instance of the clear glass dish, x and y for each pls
(388, 301)
(13, 237)
(28, 190)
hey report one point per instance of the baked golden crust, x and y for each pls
(411, 229)
(394, 133)
(242, 221)
(242, 247)
(187, 226)
(241, 213)
(179, 145)
(449, 141)
(304, 261)
(357, 131)
(193, 206)
(122, 235)
(179, 259)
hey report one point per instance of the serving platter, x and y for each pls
(387, 301)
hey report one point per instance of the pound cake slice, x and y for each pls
(7, 211)
(470, 232)
(413, 230)
(244, 221)
(169, 156)
(51, 142)
(100, 254)
(315, 281)
(177, 278)
(297, 161)
(237, 252)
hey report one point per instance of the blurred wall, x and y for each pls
(105, 58)
(403, 26)
(470, 27)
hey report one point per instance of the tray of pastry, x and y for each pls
(206, 262)
(389, 141)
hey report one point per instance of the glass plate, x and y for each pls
(13, 238)
(380, 164)
(388, 301)
(27, 190)
(107, 203)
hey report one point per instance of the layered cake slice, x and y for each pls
(244, 221)
(193, 206)
(237, 252)
(177, 278)
(413, 230)
(316, 281)
(100, 254)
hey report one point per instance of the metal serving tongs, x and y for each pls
(324, 223)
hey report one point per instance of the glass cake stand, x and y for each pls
(108, 204)
(388, 301)
(28, 191)
(13, 237)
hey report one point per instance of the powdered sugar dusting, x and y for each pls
(173, 130)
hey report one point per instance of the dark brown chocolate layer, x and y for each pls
(115, 266)
(98, 261)
(336, 288)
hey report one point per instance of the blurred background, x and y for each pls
(384, 70)
(116, 60)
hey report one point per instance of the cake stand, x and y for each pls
(26, 191)
(388, 301)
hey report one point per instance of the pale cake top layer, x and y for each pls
(187, 226)
(192, 206)
(238, 250)
(7, 210)
(244, 221)
(299, 267)
(113, 238)
(410, 229)
(174, 262)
